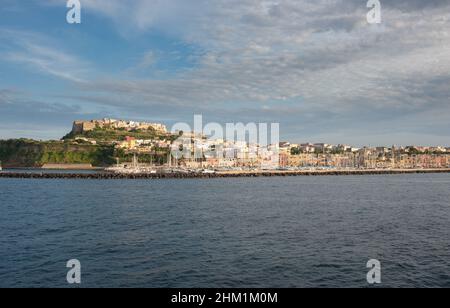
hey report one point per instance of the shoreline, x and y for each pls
(53, 169)
(230, 174)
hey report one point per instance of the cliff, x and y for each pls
(30, 153)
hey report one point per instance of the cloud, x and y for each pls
(313, 61)
(148, 60)
(25, 116)
(5, 96)
(38, 52)
(259, 51)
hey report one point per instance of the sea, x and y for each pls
(296, 232)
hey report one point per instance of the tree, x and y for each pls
(296, 151)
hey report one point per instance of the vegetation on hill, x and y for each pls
(26, 153)
(31, 153)
(102, 135)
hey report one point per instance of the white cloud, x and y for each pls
(37, 51)
(259, 51)
(300, 56)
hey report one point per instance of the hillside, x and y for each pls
(31, 153)
(111, 130)
(90, 142)
(106, 135)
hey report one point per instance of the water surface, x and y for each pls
(240, 232)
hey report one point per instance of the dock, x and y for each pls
(224, 174)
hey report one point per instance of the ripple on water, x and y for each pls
(274, 232)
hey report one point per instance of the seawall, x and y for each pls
(114, 176)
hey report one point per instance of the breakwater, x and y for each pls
(235, 174)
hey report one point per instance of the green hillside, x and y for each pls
(109, 135)
(70, 150)
(31, 153)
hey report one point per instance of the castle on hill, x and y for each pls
(80, 127)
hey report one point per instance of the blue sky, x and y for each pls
(318, 68)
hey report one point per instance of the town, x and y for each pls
(200, 153)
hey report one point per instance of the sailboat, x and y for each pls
(1, 166)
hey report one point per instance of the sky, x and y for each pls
(316, 67)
